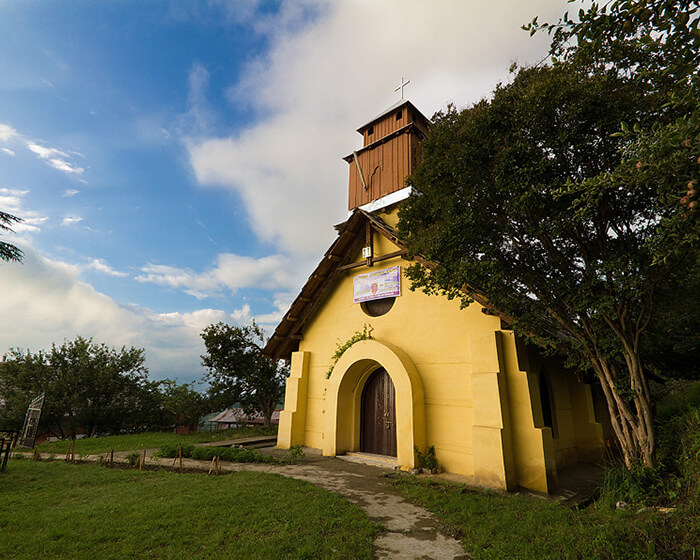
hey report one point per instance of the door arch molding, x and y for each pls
(344, 394)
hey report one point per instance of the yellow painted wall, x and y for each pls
(462, 385)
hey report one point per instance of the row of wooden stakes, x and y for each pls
(214, 467)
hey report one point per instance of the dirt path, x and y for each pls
(412, 533)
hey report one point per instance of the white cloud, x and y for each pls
(45, 153)
(11, 199)
(229, 273)
(71, 220)
(70, 192)
(12, 202)
(55, 157)
(48, 303)
(321, 80)
(7, 132)
(200, 116)
(268, 321)
(58, 159)
(100, 265)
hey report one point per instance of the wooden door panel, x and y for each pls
(378, 417)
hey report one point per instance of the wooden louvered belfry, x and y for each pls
(390, 152)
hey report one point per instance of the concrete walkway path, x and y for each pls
(412, 533)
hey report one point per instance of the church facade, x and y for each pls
(381, 370)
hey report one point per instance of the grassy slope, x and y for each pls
(148, 440)
(55, 510)
(496, 526)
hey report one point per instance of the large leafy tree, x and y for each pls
(90, 387)
(9, 252)
(566, 223)
(238, 372)
(657, 44)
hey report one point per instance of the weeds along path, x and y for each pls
(412, 533)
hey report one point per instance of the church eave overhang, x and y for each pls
(334, 264)
(410, 127)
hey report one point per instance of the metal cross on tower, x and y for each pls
(403, 85)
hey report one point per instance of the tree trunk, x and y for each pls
(632, 418)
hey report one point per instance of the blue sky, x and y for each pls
(179, 163)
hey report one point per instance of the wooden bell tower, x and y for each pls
(390, 152)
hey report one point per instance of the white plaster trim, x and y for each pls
(386, 200)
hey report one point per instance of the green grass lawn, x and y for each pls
(496, 526)
(57, 510)
(148, 440)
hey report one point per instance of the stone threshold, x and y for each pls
(383, 461)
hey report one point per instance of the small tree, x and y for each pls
(238, 372)
(9, 252)
(183, 405)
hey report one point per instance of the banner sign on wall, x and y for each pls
(377, 285)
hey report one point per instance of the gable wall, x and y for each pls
(432, 330)
(480, 386)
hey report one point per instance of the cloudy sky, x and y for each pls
(178, 163)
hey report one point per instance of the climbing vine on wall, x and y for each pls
(364, 334)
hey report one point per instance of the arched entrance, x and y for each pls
(378, 415)
(342, 415)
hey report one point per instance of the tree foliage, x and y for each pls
(93, 388)
(89, 387)
(561, 198)
(238, 372)
(182, 404)
(9, 252)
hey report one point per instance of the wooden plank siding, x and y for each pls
(384, 167)
(390, 152)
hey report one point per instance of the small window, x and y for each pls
(547, 402)
(398, 115)
(377, 307)
(370, 131)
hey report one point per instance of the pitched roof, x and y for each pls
(335, 262)
(391, 109)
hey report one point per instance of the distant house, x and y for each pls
(236, 418)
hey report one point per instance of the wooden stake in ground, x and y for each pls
(111, 458)
(143, 460)
(72, 452)
(218, 465)
(177, 455)
(37, 455)
(213, 460)
(180, 457)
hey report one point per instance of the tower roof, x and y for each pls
(399, 104)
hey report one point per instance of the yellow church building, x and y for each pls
(381, 370)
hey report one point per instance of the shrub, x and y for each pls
(294, 453)
(427, 461)
(676, 479)
(170, 450)
(232, 454)
(133, 458)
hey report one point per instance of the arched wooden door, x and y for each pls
(378, 420)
